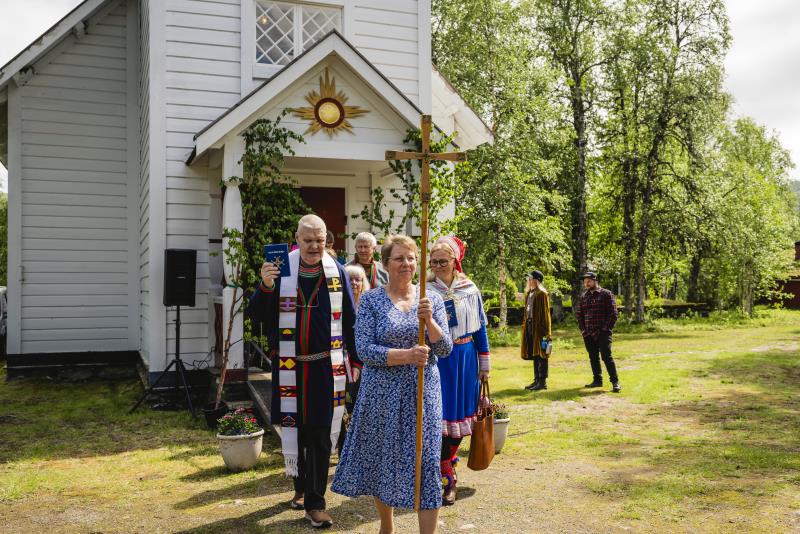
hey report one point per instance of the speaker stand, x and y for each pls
(180, 378)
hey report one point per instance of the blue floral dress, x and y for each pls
(378, 454)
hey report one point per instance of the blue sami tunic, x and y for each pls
(459, 372)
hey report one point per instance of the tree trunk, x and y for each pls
(643, 236)
(693, 292)
(580, 231)
(502, 276)
(628, 235)
(746, 289)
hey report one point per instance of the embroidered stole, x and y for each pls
(287, 366)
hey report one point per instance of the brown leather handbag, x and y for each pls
(481, 447)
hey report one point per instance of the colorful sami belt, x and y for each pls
(463, 340)
(313, 357)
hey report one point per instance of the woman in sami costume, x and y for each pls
(468, 364)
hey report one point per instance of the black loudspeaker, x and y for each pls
(180, 269)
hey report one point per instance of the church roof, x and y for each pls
(245, 111)
(74, 21)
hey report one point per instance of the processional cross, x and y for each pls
(425, 157)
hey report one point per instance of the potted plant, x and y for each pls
(240, 439)
(501, 420)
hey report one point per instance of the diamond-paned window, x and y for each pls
(317, 22)
(274, 33)
(284, 31)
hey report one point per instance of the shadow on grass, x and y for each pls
(270, 484)
(734, 439)
(522, 395)
(347, 516)
(47, 420)
(635, 336)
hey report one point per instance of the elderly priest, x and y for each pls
(309, 319)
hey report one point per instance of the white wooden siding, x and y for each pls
(75, 193)
(372, 133)
(387, 33)
(202, 80)
(144, 178)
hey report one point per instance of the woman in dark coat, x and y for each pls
(536, 327)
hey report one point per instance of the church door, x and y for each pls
(329, 203)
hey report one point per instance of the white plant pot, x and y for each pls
(241, 452)
(500, 433)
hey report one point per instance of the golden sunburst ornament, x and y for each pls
(328, 111)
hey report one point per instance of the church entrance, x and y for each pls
(329, 203)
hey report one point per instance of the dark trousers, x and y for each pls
(314, 449)
(529, 342)
(600, 347)
(540, 366)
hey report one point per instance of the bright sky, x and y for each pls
(762, 66)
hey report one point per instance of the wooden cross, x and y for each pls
(425, 157)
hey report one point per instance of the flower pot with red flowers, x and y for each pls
(240, 439)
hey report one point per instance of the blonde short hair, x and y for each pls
(393, 240)
(357, 271)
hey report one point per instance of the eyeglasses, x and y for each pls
(440, 263)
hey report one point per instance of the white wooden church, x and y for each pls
(124, 117)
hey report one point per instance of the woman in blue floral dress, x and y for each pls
(378, 455)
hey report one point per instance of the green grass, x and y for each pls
(704, 437)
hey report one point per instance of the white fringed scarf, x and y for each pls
(467, 299)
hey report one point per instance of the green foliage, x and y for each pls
(3, 239)
(385, 220)
(500, 410)
(615, 149)
(271, 202)
(237, 423)
(507, 209)
(271, 208)
(504, 337)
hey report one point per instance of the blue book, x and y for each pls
(278, 254)
(450, 308)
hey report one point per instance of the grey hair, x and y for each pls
(367, 236)
(358, 271)
(311, 221)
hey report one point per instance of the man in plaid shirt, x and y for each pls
(596, 315)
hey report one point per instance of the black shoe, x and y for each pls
(297, 502)
(532, 385)
(615, 387)
(540, 386)
(595, 384)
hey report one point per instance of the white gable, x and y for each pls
(390, 110)
(381, 128)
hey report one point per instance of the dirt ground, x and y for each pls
(704, 438)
